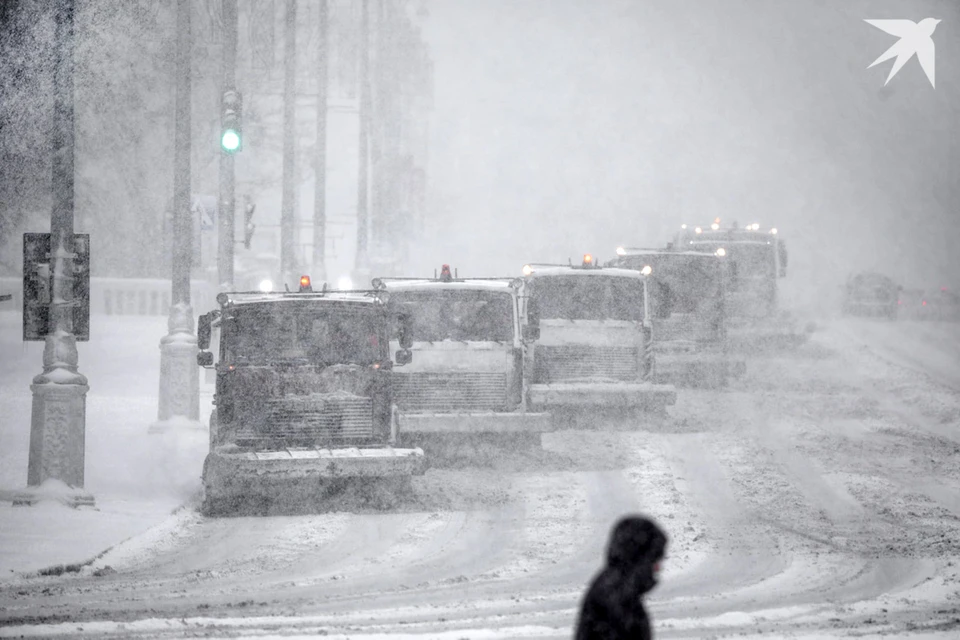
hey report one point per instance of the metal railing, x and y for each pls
(127, 296)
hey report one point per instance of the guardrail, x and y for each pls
(124, 296)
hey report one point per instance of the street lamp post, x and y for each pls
(320, 186)
(58, 417)
(179, 400)
(227, 207)
(361, 260)
(288, 218)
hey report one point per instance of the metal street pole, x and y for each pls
(393, 85)
(179, 406)
(288, 194)
(58, 416)
(362, 267)
(320, 186)
(227, 206)
(375, 132)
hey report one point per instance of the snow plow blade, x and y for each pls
(487, 422)
(230, 478)
(698, 371)
(621, 395)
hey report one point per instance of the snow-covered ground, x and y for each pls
(137, 479)
(818, 498)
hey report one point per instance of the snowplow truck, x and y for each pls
(590, 343)
(688, 315)
(754, 260)
(467, 374)
(303, 398)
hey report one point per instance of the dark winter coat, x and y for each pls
(612, 609)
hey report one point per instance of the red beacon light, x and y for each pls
(445, 275)
(305, 285)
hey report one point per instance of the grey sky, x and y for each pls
(570, 126)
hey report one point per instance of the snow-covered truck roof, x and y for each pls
(628, 252)
(425, 284)
(326, 297)
(726, 241)
(560, 270)
(729, 236)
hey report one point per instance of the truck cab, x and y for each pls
(591, 341)
(687, 304)
(467, 372)
(754, 260)
(303, 395)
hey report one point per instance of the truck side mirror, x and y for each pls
(203, 332)
(404, 356)
(533, 313)
(531, 332)
(406, 333)
(205, 359)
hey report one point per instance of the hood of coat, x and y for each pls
(636, 545)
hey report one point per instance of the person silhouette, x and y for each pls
(612, 608)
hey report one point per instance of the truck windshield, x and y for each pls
(588, 297)
(746, 261)
(754, 260)
(286, 333)
(461, 315)
(685, 285)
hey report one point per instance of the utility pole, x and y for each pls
(320, 190)
(179, 374)
(227, 205)
(58, 416)
(288, 195)
(362, 266)
(392, 85)
(375, 135)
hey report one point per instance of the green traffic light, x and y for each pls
(230, 140)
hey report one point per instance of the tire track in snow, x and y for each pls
(743, 553)
(897, 344)
(934, 355)
(805, 571)
(940, 486)
(608, 497)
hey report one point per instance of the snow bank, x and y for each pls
(137, 479)
(51, 537)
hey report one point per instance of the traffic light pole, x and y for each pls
(226, 211)
(320, 192)
(58, 416)
(179, 401)
(288, 193)
(362, 266)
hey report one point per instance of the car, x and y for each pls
(871, 294)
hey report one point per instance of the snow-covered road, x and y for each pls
(819, 497)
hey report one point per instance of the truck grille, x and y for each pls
(449, 392)
(583, 362)
(314, 420)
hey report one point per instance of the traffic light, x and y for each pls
(231, 121)
(248, 226)
(38, 286)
